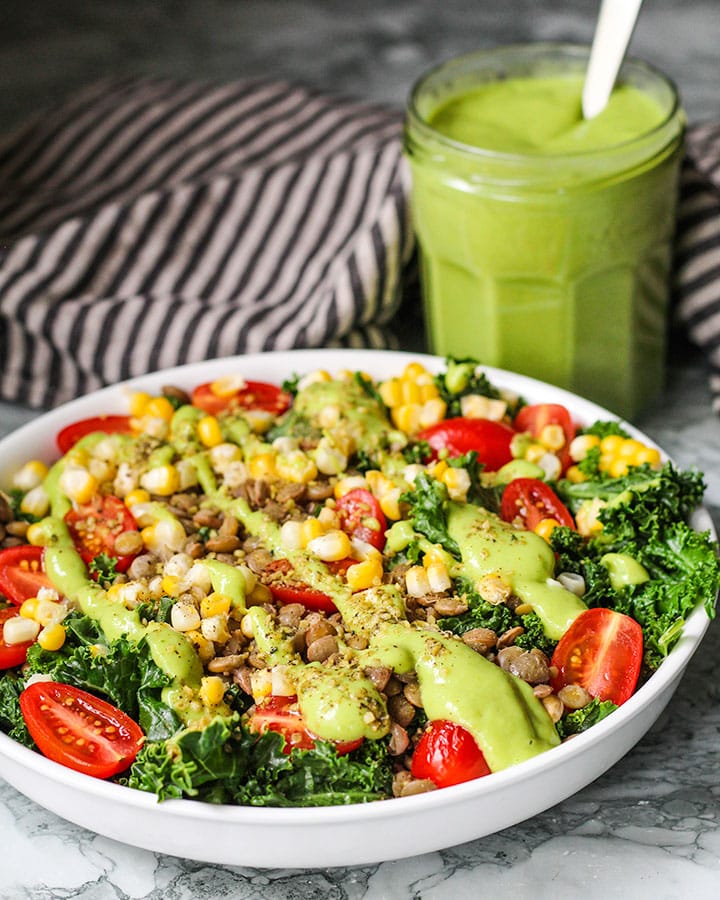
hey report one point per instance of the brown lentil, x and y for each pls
(400, 710)
(574, 696)
(510, 636)
(417, 786)
(399, 740)
(450, 606)
(223, 543)
(322, 648)
(128, 543)
(225, 664)
(554, 706)
(481, 639)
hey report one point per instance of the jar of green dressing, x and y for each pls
(546, 240)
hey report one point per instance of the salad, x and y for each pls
(339, 589)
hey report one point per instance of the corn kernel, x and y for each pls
(228, 385)
(552, 437)
(477, 406)
(259, 420)
(310, 529)
(215, 604)
(281, 680)
(291, 535)
(457, 481)
(329, 416)
(390, 504)
(35, 535)
(262, 465)
(52, 637)
(205, 648)
(648, 455)
(170, 585)
(160, 408)
(345, 485)
(184, 617)
(208, 431)
(494, 589)
(214, 628)
(330, 460)
(261, 683)
(247, 626)
(296, 466)
(574, 475)
(212, 690)
(417, 582)
(545, 528)
(438, 577)
(18, 630)
(406, 417)
(611, 443)
(391, 392)
(580, 445)
(331, 547)
(586, 518)
(365, 574)
(162, 480)
(413, 371)
(223, 454)
(432, 412)
(618, 467)
(319, 375)
(126, 480)
(49, 611)
(36, 502)
(28, 608)
(78, 484)
(30, 475)
(138, 403)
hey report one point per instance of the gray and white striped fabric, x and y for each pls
(149, 223)
(697, 257)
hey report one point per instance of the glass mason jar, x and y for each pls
(551, 264)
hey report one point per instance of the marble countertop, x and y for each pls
(651, 825)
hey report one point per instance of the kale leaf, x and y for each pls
(582, 719)
(428, 513)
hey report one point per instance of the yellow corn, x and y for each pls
(457, 481)
(438, 469)
(30, 475)
(36, 502)
(413, 371)
(345, 485)
(35, 534)
(417, 582)
(214, 628)
(138, 403)
(263, 465)
(215, 604)
(137, 496)
(390, 504)
(365, 574)
(227, 385)
(310, 529)
(212, 690)
(611, 444)
(259, 420)
(208, 431)
(159, 408)
(162, 480)
(18, 630)
(574, 475)
(477, 406)
(331, 546)
(438, 576)
(52, 637)
(47, 612)
(586, 518)
(78, 484)
(535, 452)
(28, 607)
(545, 528)
(617, 467)
(391, 392)
(552, 437)
(169, 585)
(205, 648)
(313, 378)
(580, 445)
(648, 455)
(184, 617)
(296, 466)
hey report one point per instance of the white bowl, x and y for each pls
(344, 835)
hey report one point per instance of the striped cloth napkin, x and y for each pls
(148, 223)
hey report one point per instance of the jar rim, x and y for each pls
(538, 50)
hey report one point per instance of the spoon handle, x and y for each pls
(614, 29)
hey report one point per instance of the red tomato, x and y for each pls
(71, 434)
(11, 655)
(532, 500)
(491, 440)
(448, 754)
(601, 651)
(535, 417)
(361, 517)
(297, 592)
(78, 730)
(21, 573)
(283, 715)
(94, 527)
(255, 395)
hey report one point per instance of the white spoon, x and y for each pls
(613, 31)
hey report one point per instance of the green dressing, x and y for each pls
(490, 546)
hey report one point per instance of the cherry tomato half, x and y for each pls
(361, 517)
(94, 527)
(21, 573)
(296, 592)
(11, 655)
(448, 754)
(255, 395)
(535, 417)
(71, 434)
(601, 651)
(79, 730)
(532, 501)
(282, 714)
(491, 440)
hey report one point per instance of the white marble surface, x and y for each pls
(650, 827)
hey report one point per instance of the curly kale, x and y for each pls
(428, 512)
(582, 719)
(226, 763)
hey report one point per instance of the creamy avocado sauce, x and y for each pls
(456, 683)
(490, 546)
